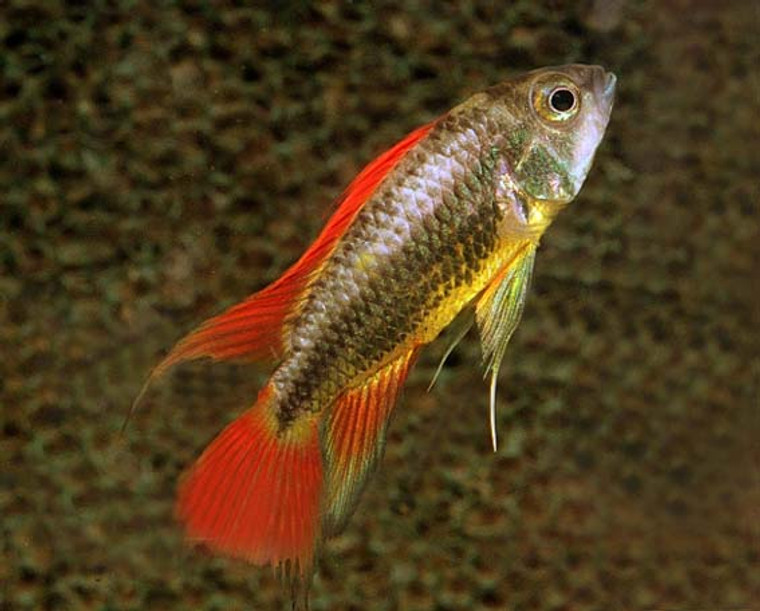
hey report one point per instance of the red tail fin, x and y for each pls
(258, 492)
(255, 492)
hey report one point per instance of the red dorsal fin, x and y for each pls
(257, 327)
(255, 492)
(355, 437)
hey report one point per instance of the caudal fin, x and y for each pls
(262, 494)
(255, 492)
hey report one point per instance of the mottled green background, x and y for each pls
(157, 164)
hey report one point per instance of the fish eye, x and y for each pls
(556, 100)
(562, 100)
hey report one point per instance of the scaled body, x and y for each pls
(449, 218)
(420, 249)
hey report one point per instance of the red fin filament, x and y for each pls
(256, 329)
(256, 493)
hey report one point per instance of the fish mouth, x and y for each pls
(604, 84)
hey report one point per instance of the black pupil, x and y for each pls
(562, 100)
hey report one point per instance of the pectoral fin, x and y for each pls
(497, 314)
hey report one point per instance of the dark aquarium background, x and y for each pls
(160, 161)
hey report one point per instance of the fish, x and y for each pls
(448, 220)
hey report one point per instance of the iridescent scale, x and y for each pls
(425, 244)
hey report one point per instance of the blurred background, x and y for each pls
(158, 163)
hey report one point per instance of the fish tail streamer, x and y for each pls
(268, 495)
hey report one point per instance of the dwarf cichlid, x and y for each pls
(449, 218)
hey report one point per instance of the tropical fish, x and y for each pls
(449, 219)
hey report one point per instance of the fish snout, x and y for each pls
(604, 85)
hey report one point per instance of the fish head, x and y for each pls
(558, 117)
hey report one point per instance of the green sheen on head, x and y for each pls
(558, 117)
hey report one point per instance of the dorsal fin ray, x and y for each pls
(257, 328)
(254, 329)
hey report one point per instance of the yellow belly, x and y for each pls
(448, 309)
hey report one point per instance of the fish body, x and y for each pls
(448, 219)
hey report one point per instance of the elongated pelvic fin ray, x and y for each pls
(354, 438)
(498, 312)
(492, 411)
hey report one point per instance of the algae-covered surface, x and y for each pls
(158, 164)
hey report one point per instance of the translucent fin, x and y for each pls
(354, 438)
(497, 313)
(459, 328)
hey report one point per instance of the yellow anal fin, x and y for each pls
(354, 438)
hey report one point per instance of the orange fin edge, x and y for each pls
(255, 329)
(354, 438)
